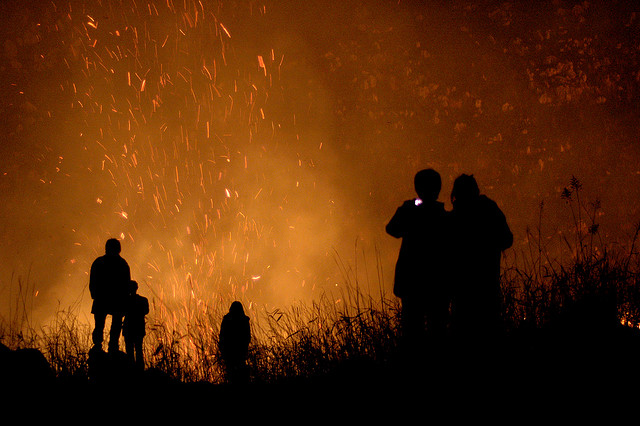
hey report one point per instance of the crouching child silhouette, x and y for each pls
(133, 327)
(419, 279)
(233, 343)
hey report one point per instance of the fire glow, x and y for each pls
(166, 123)
(236, 148)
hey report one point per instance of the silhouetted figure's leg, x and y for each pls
(437, 317)
(129, 348)
(98, 330)
(114, 335)
(139, 355)
(237, 372)
(243, 373)
(412, 325)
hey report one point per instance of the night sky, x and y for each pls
(245, 149)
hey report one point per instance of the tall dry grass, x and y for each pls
(596, 286)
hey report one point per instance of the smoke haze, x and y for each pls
(245, 149)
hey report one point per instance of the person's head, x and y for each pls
(465, 189)
(133, 287)
(236, 309)
(428, 183)
(112, 247)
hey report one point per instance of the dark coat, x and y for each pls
(134, 322)
(421, 264)
(235, 336)
(109, 284)
(480, 234)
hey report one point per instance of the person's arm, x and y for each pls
(95, 286)
(507, 235)
(145, 304)
(248, 333)
(222, 336)
(397, 226)
(504, 237)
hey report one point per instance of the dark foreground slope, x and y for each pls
(528, 373)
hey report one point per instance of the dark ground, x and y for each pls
(530, 375)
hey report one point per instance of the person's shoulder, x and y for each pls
(99, 260)
(487, 202)
(407, 205)
(121, 260)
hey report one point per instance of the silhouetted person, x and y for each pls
(419, 281)
(109, 285)
(234, 339)
(133, 327)
(480, 234)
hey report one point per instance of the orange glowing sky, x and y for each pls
(238, 148)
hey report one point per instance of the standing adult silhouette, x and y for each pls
(233, 343)
(480, 235)
(109, 282)
(419, 279)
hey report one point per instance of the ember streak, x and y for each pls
(236, 147)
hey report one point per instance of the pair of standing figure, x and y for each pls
(115, 293)
(448, 270)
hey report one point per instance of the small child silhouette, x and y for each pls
(133, 327)
(234, 339)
